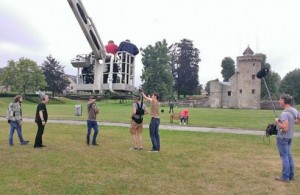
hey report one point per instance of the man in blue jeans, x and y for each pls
(92, 121)
(155, 121)
(14, 117)
(285, 123)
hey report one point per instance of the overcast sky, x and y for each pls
(218, 28)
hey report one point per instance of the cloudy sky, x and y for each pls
(218, 28)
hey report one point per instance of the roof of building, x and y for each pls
(248, 51)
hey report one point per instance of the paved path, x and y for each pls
(166, 127)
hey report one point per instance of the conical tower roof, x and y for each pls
(248, 51)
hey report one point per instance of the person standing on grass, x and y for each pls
(171, 107)
(285, 123)
(41, 118)
(155, 121)
(136, 127)
(14, 117)
(92, 112)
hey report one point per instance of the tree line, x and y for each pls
(171, 70)
(25, 76)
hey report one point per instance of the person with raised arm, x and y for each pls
(155, 121)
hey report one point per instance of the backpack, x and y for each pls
(140, 111)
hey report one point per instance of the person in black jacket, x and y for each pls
(127, 46)
(41, 118)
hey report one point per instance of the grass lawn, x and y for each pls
(189, 163)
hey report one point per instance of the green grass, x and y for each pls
(189, 163)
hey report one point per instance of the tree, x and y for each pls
(290, 84)
(228, 68)
(156, 74)
(1, 71)
(184, 64)
(55, 76)
(23, 76)
(272, 80)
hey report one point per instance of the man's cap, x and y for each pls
(92, 97)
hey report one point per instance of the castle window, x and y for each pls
(253, 76)
(253, 91)
(241, 91)
(253, 64)
(229, 93)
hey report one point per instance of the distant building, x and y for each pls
(71, 88)
(204, 92)
(243, 89)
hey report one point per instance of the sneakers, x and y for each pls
(180, 123)
(24, 142)
(95, 144)
(281, 179)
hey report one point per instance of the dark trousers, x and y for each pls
(154, 133)
(38, 138)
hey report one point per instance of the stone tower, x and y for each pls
(248, 85)
(243, 89)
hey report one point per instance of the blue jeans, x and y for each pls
(285, 151)
(154, 134)
(14, 125)
(91, 125)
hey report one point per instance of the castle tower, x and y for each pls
(248, 88)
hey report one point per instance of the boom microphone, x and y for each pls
(262, 73)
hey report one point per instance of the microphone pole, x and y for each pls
(269, 96)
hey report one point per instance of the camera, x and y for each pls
(271, 130)
(141, 90)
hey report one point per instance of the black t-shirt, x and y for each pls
(41, 107)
